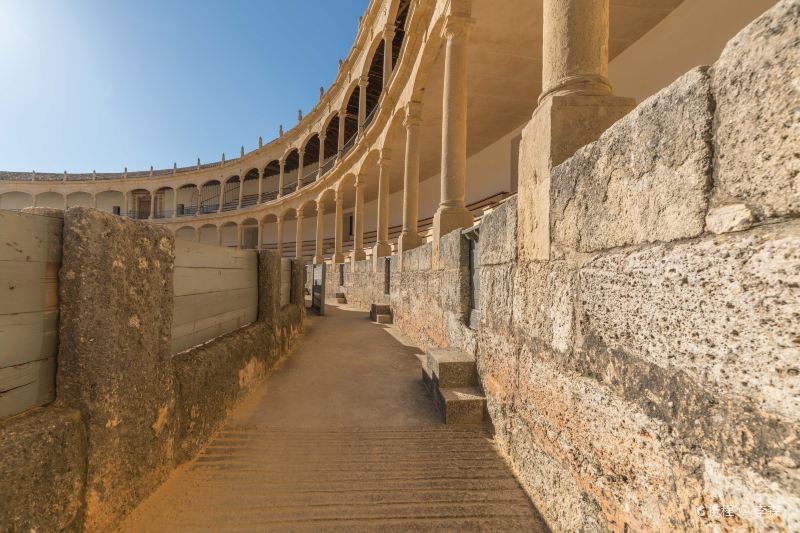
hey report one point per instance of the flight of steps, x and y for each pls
(381, 313)
(451, 377)
(341, 298)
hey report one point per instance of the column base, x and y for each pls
(359, 255)
(338, 257)
(448, 219)
(559, 127)
(408, 241)
(381, 249)
(318, 260)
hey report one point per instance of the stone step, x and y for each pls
(341, 300)
(340, 295)
(379, 309)
(383, 319)
(451, 367)
(462, 405)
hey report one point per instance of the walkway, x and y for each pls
(342, 437)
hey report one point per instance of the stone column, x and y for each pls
(575, 48)
(282, 164)
(321, 153)
(219, 235)
(260, 185)
(298, 236)
(388, 37)
(260, 243)
(34, 199)
(382, 247)
(363, 81)
(221, 196)
(358, 239)
(152, 205)
(409, 238)
(239, 236)
(452, 214)
(241, 191)
(338, 256)
(319, 256)
(300, 169)
(125, 201)
(279, 225)
(342, 119)
(575, 107)
(175, 202)
(94, 201)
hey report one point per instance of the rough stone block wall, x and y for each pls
(43, 465)
(651, 366)
(126, 412)
(114, 355)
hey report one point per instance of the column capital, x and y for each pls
(363, 81)
(385, 158)
(456, 26)
(320, 209)
(413, 112)
(389, 32)
(300, 215)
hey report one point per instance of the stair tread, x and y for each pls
(462, 394)
(451, 355)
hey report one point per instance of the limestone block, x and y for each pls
(455, 291)
(453, 251)
(544, 302)
(645, 179)
(757, 117)
(43, 465)
(593, 461)
(496, 303)
(269, 285)
(732, 217)
(498, 235)
(115, 326)
(725, 310)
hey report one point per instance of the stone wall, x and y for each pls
(648, 371)
(126, 411)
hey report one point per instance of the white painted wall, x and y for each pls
(693, 34)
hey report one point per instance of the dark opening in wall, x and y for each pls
(341, 274)
(116, 210)
(387, 275)
(474, 277)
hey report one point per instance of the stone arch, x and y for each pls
(15, 200)
(186, 233)
(272, 172)
(310, 152)
(110, 201)
(291, 165)
(51, 199)
(228, 234)
(138, 204)
(210, 193)
(164, 198)
(230, 193)
(249, 233)
(188, 199)
(208, 234)
(250, 187)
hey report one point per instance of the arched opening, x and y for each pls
(272, 175)
(351, 120)
(84, 199)
(269, 236)
(228, 235)
(139, 207)
(52, 200)
(188, 197)
(310, 161)
(163, 202)
(290, 166)
(250, 188)
(250, 234)
(230, 198)
(375, 85)
(186, 233)
(109, 201)
(14, 201)
(210, 196)
(208, 234)
(399, 29)
(331, 144)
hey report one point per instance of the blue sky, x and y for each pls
(100, 85)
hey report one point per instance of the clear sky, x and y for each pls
(103, 84)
